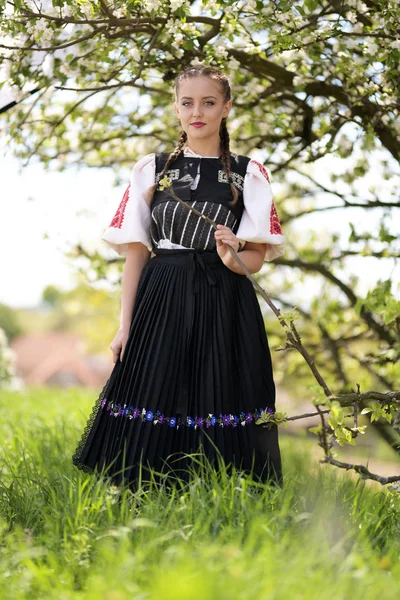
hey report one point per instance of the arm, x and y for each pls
(252, 256)
(137, 257)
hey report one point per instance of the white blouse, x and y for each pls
(259, 222)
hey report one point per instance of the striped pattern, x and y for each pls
(171, 220)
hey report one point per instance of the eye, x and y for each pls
(207, 102)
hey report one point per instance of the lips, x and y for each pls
(198, 124)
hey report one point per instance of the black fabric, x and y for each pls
(197, 346)
(211, 197)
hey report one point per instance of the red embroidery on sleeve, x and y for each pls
(262, 169)
(275, 226)
(119, 215)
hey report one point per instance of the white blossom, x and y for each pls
(352, 17)
(297, 80)
(87, 9)
(17, 94)
(47, 36)
(5, 71)
(370, 47)
(177, 41)
(196, 61)
(307, 39)
(395, 44)
(229, 28)
(326, 26)
(298, 21)
(134, 53)
(120, 13)
(221, 51)
(48, 65)
(352, 43)
(228, 10)
(175, 4)
(385, 119)
(249, 6)
(362, 7)
(152, 4)
(172, 26)
(233, 64)
(188, 27)
(252, 49)
(67, 11)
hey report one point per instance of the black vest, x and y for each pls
(213, 185)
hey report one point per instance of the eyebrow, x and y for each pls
(190, 98)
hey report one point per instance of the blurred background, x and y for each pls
(315, 99)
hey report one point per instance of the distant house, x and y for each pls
(58, 359)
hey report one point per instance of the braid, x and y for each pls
(213, 73)
(226, 159)
(172, 156)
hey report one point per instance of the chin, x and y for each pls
(199, 132)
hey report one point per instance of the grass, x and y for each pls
(67, 535)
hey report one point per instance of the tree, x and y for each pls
(9, 322)
(315, 89)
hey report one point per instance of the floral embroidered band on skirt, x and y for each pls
(131, 412)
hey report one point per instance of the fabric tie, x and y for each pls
(199, 262)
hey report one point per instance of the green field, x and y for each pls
(66, 534)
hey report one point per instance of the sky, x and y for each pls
(69, 207)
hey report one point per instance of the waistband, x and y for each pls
(195, 259)
(209, 255)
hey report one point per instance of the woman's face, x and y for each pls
(200, 100)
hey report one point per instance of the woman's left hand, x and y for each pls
(224, 237)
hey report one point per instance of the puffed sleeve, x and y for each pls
(131, 222)
(260, 221)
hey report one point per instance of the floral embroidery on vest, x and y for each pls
(275, 226)
(262, 169)
(170, 173)
(237, 179)
(119, 215)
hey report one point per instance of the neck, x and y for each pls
(204, 148)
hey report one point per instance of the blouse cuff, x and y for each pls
(260, 220)
(131, 222)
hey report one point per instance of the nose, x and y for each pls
(197, 110)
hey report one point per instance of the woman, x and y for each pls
(192, 363)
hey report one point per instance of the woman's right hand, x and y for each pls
(118, 344)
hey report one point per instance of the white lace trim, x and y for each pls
(164, 243)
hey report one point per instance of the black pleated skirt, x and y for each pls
(195, 376)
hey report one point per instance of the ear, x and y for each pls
(227, 108)
(176, 109)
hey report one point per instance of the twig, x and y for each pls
(293, 340)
